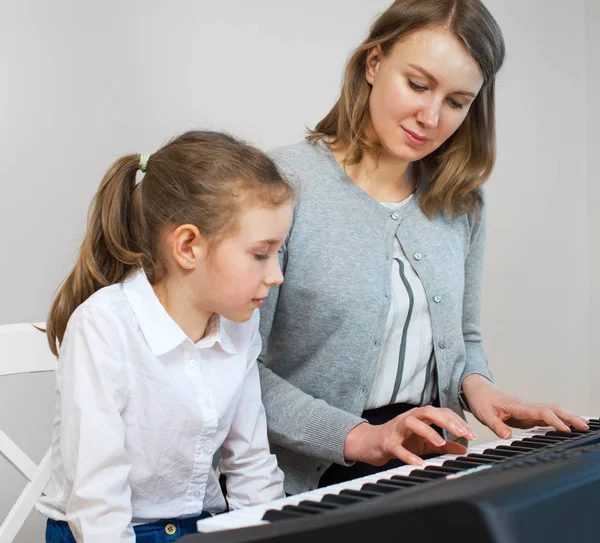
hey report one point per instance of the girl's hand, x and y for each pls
(498, 410)
(406, 437)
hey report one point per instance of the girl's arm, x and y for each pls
(93, 389)
(252, 473)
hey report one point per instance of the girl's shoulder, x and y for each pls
(106, 309)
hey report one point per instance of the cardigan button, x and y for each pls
(437, 299)
(418, 256)
(395, 216)
(442, 344)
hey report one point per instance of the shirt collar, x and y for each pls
(162, 333)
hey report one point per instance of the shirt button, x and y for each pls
(376, 343)
(395, 216)
(363, 389)
(418, 256)
(208, 403)
(437, 299)
(387, 296)
(442, 344)
(446, 389)
(191, 362)
(206, 450)
(197, 494)
(170, 529)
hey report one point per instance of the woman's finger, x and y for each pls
(496, 424)
(423, 430)
(569, 418)
(445, 418)
(450, 447)
(406, 456)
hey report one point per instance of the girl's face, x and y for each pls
(421, 92)
(236, 277)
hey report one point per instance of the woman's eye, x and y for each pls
(261, 257)
(455, 104)
(416, 86)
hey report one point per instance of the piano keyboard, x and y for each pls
(365, 488)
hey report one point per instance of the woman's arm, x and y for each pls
(297, 420)
(491, 406)
(92, 385)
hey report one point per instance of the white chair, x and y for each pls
(23, 349)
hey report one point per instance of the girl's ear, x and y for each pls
(188, 246)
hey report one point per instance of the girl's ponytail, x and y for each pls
(110, 248)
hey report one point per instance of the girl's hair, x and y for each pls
(200, 178)
(456, 170)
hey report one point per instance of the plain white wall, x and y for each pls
(85, 83)
(592, 33)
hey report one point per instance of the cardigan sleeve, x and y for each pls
(296, 420)
(476, 361)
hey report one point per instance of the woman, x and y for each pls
(374, 339)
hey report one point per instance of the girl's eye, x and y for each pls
(455, 104)
(416, 87)
(261, 257)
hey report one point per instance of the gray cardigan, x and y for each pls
(322, 328)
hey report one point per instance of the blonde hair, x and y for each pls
(200, 178)
(457, 169)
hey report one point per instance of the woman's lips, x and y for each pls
(414, 138)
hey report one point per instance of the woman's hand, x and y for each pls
(406, 436)
(498, 410)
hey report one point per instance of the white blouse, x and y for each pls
(141, 410)
(405, 370)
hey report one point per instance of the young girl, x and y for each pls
(158, 334)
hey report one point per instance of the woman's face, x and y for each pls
(421, 92)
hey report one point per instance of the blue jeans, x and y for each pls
(162, 531)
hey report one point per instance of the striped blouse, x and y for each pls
(405, 370)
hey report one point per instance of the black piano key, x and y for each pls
(301, 509)
(426, 474)
(415, 475)
(529, 444)
(362, 494)
(336, 499)
(397, 482)
(499, 452)
(442, 469)
(477, 458)
(571, 435)
(408, 478)
(460, 464)
(513, 447)
(274, 515)
(319, 505)
(380, 488)
(540, 439)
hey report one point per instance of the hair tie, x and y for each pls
(143, 165)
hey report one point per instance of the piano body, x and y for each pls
(541, 486)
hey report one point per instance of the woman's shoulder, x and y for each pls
(302, 160)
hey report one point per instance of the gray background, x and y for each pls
(83, 83)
